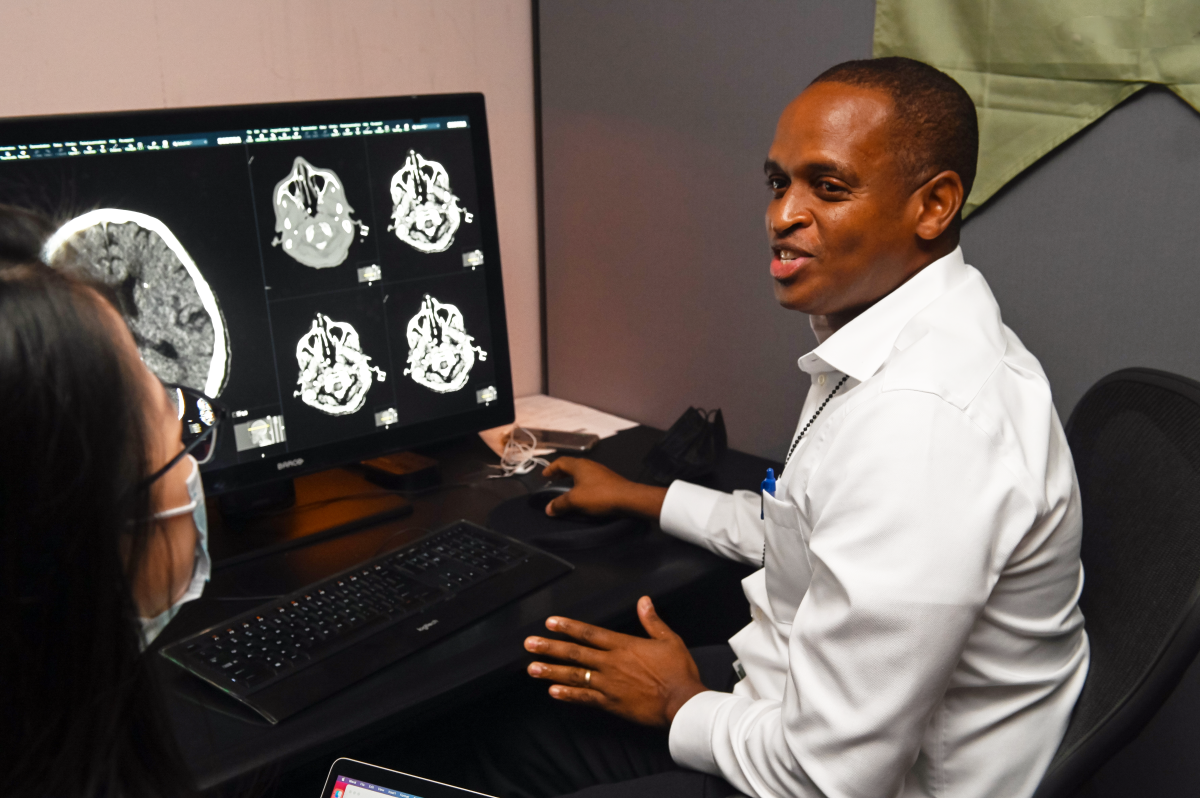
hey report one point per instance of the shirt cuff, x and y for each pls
(687, 509)
(691, 733)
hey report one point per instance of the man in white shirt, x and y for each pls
(914, 628)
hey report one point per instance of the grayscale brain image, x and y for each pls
(313, 218)
(440, 353)
(171, 310)
(425, 213)
(335, 375)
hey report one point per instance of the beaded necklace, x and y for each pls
(796, 442)
(800, 437)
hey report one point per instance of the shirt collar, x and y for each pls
(861, 347)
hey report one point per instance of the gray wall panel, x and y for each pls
(656, 118)
(1094, 253)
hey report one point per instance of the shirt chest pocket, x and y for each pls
(786, 557)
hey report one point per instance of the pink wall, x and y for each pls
(68, 56)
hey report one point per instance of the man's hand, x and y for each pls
(642, 680)
(600, 491)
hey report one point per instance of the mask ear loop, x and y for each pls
(183, 509)
(176, 511)
(201, 564)
(518, 457)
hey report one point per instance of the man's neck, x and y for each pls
(825, 326)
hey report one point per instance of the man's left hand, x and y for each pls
(642, 680)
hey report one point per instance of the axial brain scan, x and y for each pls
(440, 353)
(171, 310)
(313, 217)
(335, 375)
(425, 215)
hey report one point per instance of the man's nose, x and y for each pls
(789, 212)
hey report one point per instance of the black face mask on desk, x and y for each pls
(690, 450)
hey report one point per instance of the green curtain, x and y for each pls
(1040, 71)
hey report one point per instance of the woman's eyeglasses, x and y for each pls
(200, 418)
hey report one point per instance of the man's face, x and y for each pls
(838, 222)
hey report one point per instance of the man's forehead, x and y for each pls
(834, 121)
(840, 103)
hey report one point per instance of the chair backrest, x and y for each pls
(1135, 437)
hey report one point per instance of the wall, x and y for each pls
(656, 118)
(1092, 253)
(66, 56)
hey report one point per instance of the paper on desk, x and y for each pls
(546, 412)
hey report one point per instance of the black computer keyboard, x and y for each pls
(293, 651)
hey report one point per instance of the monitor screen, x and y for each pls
(330, 271)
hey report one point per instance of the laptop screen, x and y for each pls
(346, 787)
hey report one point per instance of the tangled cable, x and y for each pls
(518, 457)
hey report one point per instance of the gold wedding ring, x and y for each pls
(587, 677)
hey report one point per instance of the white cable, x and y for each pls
(518, 457)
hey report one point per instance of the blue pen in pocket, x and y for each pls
(768, 486)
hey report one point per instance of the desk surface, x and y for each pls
(222, 740)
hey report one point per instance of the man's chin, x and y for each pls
(791, 296)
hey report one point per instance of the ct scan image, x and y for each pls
(440, 353)
(442, 350)
(317, 227)
(425, 212)
(335, 365)
(335, 374)
(171, 310)
(426, 203)
(314, 220)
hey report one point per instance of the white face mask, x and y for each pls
(202, 564)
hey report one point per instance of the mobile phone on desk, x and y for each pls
(563, 441)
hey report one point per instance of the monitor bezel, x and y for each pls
(203, 119)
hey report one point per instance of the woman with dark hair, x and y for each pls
(102, 536)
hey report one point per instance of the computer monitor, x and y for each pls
(329, 270)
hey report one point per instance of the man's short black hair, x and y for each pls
(935, 117)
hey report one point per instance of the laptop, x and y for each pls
(349, 778)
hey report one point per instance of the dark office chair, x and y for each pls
(1135, 437)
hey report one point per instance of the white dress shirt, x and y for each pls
(915, 630)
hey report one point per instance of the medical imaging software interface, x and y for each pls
(326, 282)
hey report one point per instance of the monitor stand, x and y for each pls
(290, 513)
(261, 499)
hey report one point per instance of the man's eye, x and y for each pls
(828, 187)
(776, 183)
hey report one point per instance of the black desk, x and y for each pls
(695, 591)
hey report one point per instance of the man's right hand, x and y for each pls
(600, 491)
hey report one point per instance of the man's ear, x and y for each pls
(940, 200)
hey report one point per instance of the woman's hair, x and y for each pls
(79, 699)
